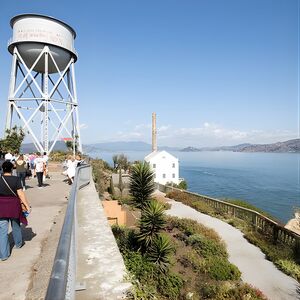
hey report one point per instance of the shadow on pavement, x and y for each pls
(27, 235)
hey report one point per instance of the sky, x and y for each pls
(215, 72)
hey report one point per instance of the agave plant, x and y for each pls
(160, 252)
(141, 184)
(152, 221)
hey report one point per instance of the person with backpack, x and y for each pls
(13, 205)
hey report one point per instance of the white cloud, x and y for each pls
(211, 134)
(83, 126)
(163, 128)
(207, 135)
(141, 127)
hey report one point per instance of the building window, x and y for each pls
(164, 175)
(173, 165)
(154, 166)
(173, 175)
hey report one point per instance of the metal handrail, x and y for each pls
(276, 225)
(62, 280)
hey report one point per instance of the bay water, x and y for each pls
(270, 181)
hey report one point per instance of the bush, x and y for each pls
(240, 291)
(289, 267)
(190, 227)
(209, 290)
(207, 247)
(221, 269)
(191, 201)
(137, 264)
(191, 258)
(170, 286)
(148, 281)
(182, 185)
(126, 238)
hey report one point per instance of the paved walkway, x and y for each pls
(17, 272)
(256, 270)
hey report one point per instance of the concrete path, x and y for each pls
(17, 272)
(256, 270)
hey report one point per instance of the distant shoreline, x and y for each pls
(290, 146)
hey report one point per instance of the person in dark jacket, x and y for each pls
(11, 198)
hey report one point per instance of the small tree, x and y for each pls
(13, 140)
(141, 184)
(120, 163)
(160, 252)
(152, 221)
(70, 145)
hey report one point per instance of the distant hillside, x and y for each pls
(29, 147)
(287, 146)
(117, 146)
(110, 147)
(280, 147)
(123, 146)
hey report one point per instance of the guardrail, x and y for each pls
(259, 221)
(62, 283)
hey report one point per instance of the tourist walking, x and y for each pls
(12, 198)
(8, 156)
(21, 167)
(71, 169)
(31, 163)
(39, 168)
(46, 159)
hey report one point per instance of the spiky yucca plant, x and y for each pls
(141, 184)
(160, 252)
(152, 221)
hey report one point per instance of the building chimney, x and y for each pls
(154, 143)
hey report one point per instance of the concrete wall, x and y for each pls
(100, 264)
(114, 212)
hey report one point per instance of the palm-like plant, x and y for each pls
(152, 221)
(141, 184)
(160, 252)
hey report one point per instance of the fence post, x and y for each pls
(275, 234)
(254, 220)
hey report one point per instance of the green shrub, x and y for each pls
(221, 269)
(202, 207)
(148, 281)
(207, 247)
(182, 185)
(209, 290)
(190, 227)
(191, 258)
(126, 238)
(170, 285)
(139, 266)
(289, 267)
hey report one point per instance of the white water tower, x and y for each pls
(42, 91)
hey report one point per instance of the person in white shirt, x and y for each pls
(71, 169)
(8, 156)
(45, 159)
(39, 166)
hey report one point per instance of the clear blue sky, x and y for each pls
(216, 72)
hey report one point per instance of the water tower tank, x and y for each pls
(31, 32)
